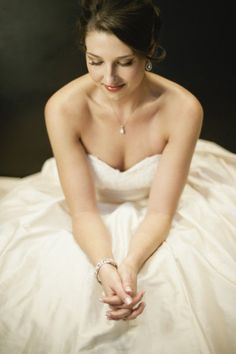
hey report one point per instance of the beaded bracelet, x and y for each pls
(101, 263)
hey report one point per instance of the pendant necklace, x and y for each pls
(122, 126)
(122, 129)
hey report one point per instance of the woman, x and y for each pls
(123, 140)
(122, 114)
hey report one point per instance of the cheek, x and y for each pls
(137, 73)
(95, 74)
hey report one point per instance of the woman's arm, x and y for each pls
(76, 181)
(166, 189)
(89, 229)
(168, 184)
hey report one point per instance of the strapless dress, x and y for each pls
(48, 293)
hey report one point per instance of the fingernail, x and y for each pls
(128, 300)
(128, 288)
(100, 299)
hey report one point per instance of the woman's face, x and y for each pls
(113, 65)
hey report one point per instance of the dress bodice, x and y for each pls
(113, 185)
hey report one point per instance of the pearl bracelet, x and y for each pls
(101, 263)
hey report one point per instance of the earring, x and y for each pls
(148, 65)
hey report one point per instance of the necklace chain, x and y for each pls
(122, 126)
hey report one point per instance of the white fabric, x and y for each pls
(48, 292)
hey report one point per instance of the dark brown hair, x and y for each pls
(136, 23)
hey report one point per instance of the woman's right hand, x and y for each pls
(122, 305)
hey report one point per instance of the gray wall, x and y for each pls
(39, 55)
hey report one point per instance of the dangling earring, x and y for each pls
(148, 65)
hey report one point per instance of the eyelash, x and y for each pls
(99, 63)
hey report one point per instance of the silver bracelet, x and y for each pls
(101, 263)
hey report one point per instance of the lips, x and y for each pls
(113, 88)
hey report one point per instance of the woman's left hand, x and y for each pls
(128, 275)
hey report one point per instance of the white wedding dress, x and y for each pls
(49, 298)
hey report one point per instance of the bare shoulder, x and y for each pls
(185, 104)
(181, 110)
(69, 103)
(186, 112)
(176, 97)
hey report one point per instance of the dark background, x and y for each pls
(38, 55)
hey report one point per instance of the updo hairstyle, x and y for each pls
(136, 23)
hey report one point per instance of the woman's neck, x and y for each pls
(126, 105)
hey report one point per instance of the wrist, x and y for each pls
(133, 262)
(103, 263)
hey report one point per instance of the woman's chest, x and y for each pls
(122, 143)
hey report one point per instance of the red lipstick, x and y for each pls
(113, 88)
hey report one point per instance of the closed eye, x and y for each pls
(95, 62)
(128, 63)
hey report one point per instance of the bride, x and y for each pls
(136, 252)
(121, 114)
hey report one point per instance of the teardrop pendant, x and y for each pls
(122, 129)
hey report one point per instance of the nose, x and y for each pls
(110, 74)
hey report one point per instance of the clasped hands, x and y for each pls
(120, 292)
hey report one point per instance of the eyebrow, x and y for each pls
(121, 57)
